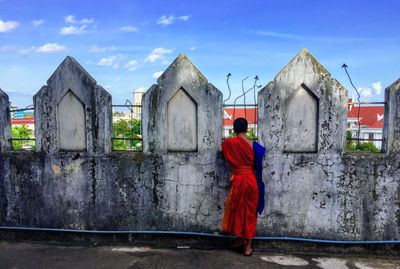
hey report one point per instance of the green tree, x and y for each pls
(129, 134)
(251, 135)
(352, 145)
(21, 132)
(368, 146)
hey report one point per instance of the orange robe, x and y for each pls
(240, 214)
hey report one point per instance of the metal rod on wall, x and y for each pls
(234, 103)
(256, 108)
(229, 88)
(344, 66)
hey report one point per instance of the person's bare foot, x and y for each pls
(248, 250)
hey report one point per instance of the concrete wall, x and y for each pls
(191, 187)
(70, 78)
(318, 192)
(325, 194)
(392, 118)
(5, 122)
(182, 74)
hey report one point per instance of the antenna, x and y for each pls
(344, 66)
(234, 104)
(244, 96)
(255, 102)
(229, 88)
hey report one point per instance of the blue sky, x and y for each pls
(125, 44)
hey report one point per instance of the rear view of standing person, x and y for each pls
(243, 201)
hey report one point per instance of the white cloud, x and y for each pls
(108, 61)
(37, 23)
(368, 92)
(157, 74)
(129, 29)
(365, 92)
(72, 20)
(51, 48)
(316, 38)
(26, 52)
(7, 49)
(165, 62)
(377, 87)
(184, 18)
(76, 29)
(117, 79)
(164, 20)
(96, 49)
(157, 54)
(193, 48)
(112, 61)
(168, 20)
(6, 26)
(108, 86)
(132, 65)
(73, 30)
(278, 35)
(86, 21)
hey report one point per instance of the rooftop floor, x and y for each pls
(47, 255)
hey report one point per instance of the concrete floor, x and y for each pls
(40, 255)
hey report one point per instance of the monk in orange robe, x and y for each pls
(240, 214)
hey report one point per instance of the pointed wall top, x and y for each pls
(304, 51)
(180, 65)
(3, 94)
(70, 64)
(72, 112)
(395, 85)
(181, 55)
(303, 62)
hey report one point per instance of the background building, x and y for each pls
(137, 102)
(371, 122)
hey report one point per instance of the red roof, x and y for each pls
(249, 114)
(370, 116)
(22, 121)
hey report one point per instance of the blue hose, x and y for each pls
(262, 238)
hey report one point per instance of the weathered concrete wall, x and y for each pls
(5, 122)
(71, 79)
(300, 121)
(187, 191)
(182, 74)
(117, 192)
(326, 194)
(160, 190)
(77, 191)
(5, 145)
(392, 118)
(182, 122)
(318, 192)
(72, 125)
